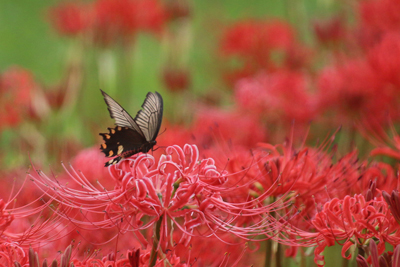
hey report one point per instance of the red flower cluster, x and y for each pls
(180, 192)
(356, 221)
(262, 45)
(379, 16)
(69, 18)
(106, 21)
(280, 96)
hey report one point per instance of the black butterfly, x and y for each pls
(132, 136)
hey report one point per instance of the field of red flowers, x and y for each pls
(279, 144)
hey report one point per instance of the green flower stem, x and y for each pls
(154, 252)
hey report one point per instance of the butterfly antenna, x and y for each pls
(162, 132)
(159, 147)
(163, 147)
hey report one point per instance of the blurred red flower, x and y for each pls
(108, 21)
(380, 15)
(178, 9)
(262, 45)
(215, 125)
(384, 59)
(176, 80)
(331, 31)
(257, 38)
(90, 162)
(70, 18)
(353, 91)
(122, 19)
(281, 96)
(16, 90)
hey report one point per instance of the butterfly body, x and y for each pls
(132, 136)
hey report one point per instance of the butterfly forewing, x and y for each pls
(119, 114)
(149, 118)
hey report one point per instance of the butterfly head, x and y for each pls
(151, 144)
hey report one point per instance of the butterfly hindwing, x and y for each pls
(149, 118)
(121, 140)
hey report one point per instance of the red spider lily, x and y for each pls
(281, 96)
(393, 201)
(176, 80)
(356, 221)
(174, 134)
(11, 253)
(353, 91)
(5, 218)
(330, 32)
(180, 190)
(382, 174)
(257, 38)
(386, 144)
(315, 179)
(209, 251)
(89, 161)
(262, 45)
(309, 174)
(178, 9)
(108, 21)
(385, 260)
(17, 88)
(70, 18)
(213, 125)
(122, 19)
(380, 16)
(29, 223)
(384, 59)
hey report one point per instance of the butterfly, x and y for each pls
(132, 135)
